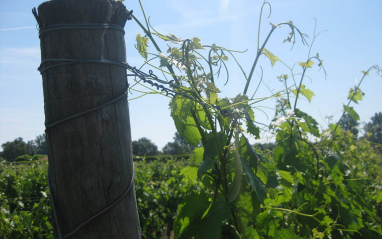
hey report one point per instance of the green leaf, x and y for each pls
(351, 112)
(198, 155)
(163, 62)
(142, 43)
(338, 130)
(169, 37)
(205, 166)
(310, 122)
(355, 95)
(305, 92)
(196, 43)
(208, 227)
(271, 57)
(210, 149)
(252, 152)
(251, 127)
(185, 124)
(308, 64)
(190, 173)
(211, 92)
(190, 210)
(286, 176)
(254, 181)
(286, 233)
(202, 117)
(332, 158)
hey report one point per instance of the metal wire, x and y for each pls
(94, 216)
(149, 78)
(57, 27)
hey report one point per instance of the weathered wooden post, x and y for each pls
(87, 119)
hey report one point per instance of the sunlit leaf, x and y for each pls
(271, 57)
(308, 64)
(198, 155)
(184, 123)
(355, 95)
(305, 92)
(351, 112)
(170, 37)
(311, 123)
(142, 43)
(251, 127)
(196, 43)
(190, 172)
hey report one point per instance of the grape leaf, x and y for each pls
(308, 64)
(198, 155)
(351, 112)
(271, 57)
(189, 172)
(210, 226)
(305, 92)
(142, 43)
(355, 95)
(190, 210)
(202, 117)
(196, 43)
(184, 123)
(254, 181)
(170, 37)
(310, 122)
(251, 152)
(211, 92)
(251, 127)
(205, 165)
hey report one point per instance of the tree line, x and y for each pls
(14, 150)
(145, 147)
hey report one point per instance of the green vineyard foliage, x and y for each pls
(313, 184)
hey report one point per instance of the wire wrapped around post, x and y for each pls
(91, 171)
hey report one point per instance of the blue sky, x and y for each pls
(350, 44)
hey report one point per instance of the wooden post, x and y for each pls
(87, 119)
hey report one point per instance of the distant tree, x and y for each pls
(11, 150)
(179, 146)
(348, 123)
(143, 147)
(264, 146)
(40, 142)
(373, 129)
(31, 147)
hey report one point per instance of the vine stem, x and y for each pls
(148, 33)
(259, 52)
(351, 99)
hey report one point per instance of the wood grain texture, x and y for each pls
(90, 157)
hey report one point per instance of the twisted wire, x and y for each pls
(149, 78)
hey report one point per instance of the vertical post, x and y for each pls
(87, 119)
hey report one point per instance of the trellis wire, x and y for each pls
(149, 78)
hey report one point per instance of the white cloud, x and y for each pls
(16, 28)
